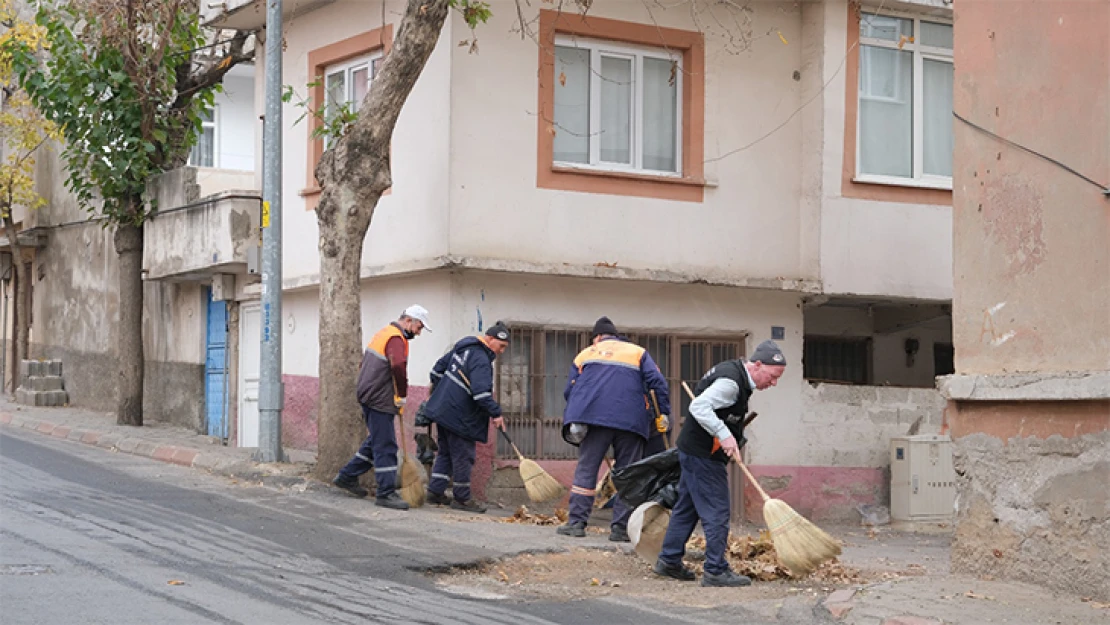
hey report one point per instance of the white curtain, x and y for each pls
(335, 93)
(936, 35)
(660, 114)
(886, 112)
(616, 110)
(361, 79)
(572, 105)
(937, 109)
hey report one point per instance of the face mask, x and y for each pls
(408, 335)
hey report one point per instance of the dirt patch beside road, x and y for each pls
(590, 573)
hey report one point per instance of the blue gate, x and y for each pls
(215, 367)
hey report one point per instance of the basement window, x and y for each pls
(843, 360)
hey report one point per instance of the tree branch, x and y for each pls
(361, 158)
(188, 83)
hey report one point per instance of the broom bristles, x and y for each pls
(538, 483)
(801, 546)
(413, 478)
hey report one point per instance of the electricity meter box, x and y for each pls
(922, 479)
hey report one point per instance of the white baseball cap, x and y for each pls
(418, 312)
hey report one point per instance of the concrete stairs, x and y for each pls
(41, 384)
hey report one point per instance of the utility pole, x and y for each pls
(271, 392)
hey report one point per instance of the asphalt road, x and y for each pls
(90, 537)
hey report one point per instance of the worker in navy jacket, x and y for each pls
(709, 438)
(607, 395)
(462, 407)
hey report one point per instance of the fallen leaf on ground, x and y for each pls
(503, 576)
(524, 516)
(595, 582)
(175, 582)
(756, 558)
(974, 595)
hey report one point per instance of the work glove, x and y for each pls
(662, 423)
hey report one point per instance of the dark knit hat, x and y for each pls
(604, 326)
(769, 353)
(498, 331)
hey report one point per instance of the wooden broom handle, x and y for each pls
(743, 468)
(666, 443)
(511, 443)
(400, 410)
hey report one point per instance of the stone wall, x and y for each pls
(851, 426)
(1033, 501)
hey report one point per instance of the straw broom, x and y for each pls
(800, 545)
(605, 489)
(538, 483)
(411, 475)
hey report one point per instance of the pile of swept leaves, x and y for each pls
(525, 517)
(756, 558)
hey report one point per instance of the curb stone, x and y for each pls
(190, 457)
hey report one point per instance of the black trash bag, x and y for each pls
(647, 480)
(422, 419)
(426, 448)
(667, 496)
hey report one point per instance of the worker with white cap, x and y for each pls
(382, 387)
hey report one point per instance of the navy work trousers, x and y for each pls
(454, 462)
(378, 452)
(628, 447)
(702, 494)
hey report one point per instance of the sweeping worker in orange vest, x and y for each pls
(607, 389)
(382, 387)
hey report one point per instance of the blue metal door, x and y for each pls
(215, 367)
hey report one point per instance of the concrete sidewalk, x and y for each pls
(166, 443)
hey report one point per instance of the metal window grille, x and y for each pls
(837, 359)
(532, 374)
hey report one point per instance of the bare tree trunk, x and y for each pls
(129, 247)
(353, 176)
(340, 426)
(22, 330)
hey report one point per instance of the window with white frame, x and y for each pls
(617, 107)
(905, 101)
(206, 151)
(347, 83)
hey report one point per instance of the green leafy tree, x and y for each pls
(127, 81)
(23, 130)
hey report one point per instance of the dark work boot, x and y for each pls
(727, 579)
(438, 499)
(617, 534)
(468, 506)
(578, 530)
(393, 500)
(679, 572)
(350, 485)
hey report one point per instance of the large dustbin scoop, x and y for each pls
(646, 527)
